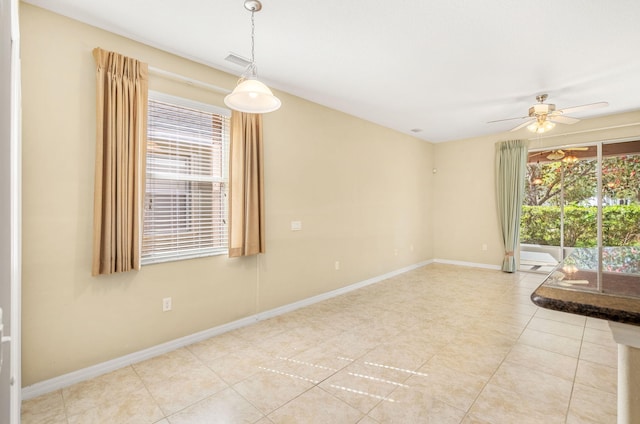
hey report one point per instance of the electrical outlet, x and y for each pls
(337, 265)
(395, 252)
(166, 304)
(484, 247)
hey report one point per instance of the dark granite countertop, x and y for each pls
(605, 286)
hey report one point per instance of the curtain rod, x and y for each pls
(613, 127)
(187, 80)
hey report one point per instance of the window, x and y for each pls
(185, 211)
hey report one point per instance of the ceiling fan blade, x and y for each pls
(524, 124)
(574, 109)
(508, 119)
(577, 148)
(563, 119)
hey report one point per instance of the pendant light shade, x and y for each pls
(250, 95)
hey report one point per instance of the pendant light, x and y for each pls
(250, 95)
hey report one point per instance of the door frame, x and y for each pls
(10, 195)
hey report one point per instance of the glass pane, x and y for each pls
(621, 206)
(560, 207)
(580, 202)
(540, 234)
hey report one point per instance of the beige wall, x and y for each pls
(464, 210)
(361, 191)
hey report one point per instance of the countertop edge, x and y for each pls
(595, 305)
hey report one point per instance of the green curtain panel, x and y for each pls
(511, 164)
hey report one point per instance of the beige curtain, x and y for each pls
(511, 167)
(121, 130)
(246, 186)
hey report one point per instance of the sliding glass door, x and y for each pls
(585, 196)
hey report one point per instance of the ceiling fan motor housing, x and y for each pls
(541, 109)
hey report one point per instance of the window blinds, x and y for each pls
(186, 181)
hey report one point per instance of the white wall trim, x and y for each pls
(470, 264)
(324, 296)
(15, 205)
(93, 371)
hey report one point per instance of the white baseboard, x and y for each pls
(470, 264)
(93, 371)
(324, 296)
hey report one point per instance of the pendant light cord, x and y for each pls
(253, 33)
(254, 71)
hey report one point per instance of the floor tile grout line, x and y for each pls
(575, 372)
(146, 387)
(496, 370)
(167, 416)
(64, 406)
(558, 321)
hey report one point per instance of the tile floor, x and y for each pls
(440, 344)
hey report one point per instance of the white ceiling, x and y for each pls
(446, 67)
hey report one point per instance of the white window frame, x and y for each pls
(163, 246)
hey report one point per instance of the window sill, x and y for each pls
(173, 258)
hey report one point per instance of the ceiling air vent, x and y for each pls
(238, 60)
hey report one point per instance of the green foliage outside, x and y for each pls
(620, 181)
(541, 225)
(574, 184)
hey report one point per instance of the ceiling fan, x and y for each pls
(564, 154)
(543, 116)
(560, 154)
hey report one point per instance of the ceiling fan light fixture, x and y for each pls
(250, 95)
(555, 155)
(534, 127)
(541, 126)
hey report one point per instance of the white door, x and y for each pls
(10, 263)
